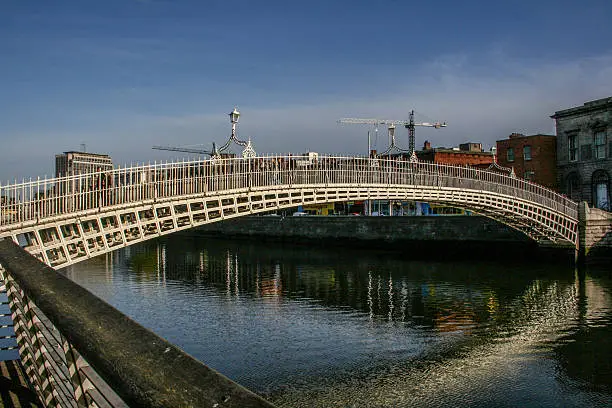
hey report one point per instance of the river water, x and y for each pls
(337, 327)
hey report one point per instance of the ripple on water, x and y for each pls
(371, 332)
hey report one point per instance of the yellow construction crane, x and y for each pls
(408, 124)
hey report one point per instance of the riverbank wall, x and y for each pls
(595, 234)
(422, 237)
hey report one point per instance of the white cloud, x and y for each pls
(480, 103)
(477, 108)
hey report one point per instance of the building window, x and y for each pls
(526, 153)
(529, 175)
(601, 190)
(573, 148)
(510, 154)
(600, 144)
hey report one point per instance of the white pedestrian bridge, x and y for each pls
(65, 220)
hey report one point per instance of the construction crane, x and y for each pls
(213, 153)
(409, 124)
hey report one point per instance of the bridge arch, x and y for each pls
(65, 220)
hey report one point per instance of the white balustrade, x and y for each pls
(37, 213)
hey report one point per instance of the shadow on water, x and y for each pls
(585, 352)
(516, 250)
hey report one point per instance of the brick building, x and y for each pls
(584, 152)
(533, 158)
(469, 154)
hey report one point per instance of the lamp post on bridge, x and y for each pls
(248, 151)
(234, 116)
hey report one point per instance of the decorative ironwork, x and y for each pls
(248, 151)
(495, 167)
(393, 147)
(65, 220)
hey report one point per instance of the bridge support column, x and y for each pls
(594, 233)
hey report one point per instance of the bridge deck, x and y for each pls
(64, 220)
(14, 391)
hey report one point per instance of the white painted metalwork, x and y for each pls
(249, 152)
(65, 220)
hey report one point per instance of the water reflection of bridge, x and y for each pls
(531, 308)
(429, 294)
(469, 305)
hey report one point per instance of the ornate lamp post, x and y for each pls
(248, 151)
(234, 115)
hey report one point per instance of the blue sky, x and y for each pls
(123, 75)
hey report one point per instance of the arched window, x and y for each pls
(572, 186)
(601, 190)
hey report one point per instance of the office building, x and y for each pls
(72, 163)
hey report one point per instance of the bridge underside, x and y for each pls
(60, 242)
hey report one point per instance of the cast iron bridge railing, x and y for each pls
(64, 220)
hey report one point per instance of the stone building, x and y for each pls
(584, 152)
(533, 157)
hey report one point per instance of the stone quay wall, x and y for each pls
(440, 237)
(454, 235)
(386, 229)
(595, 232)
